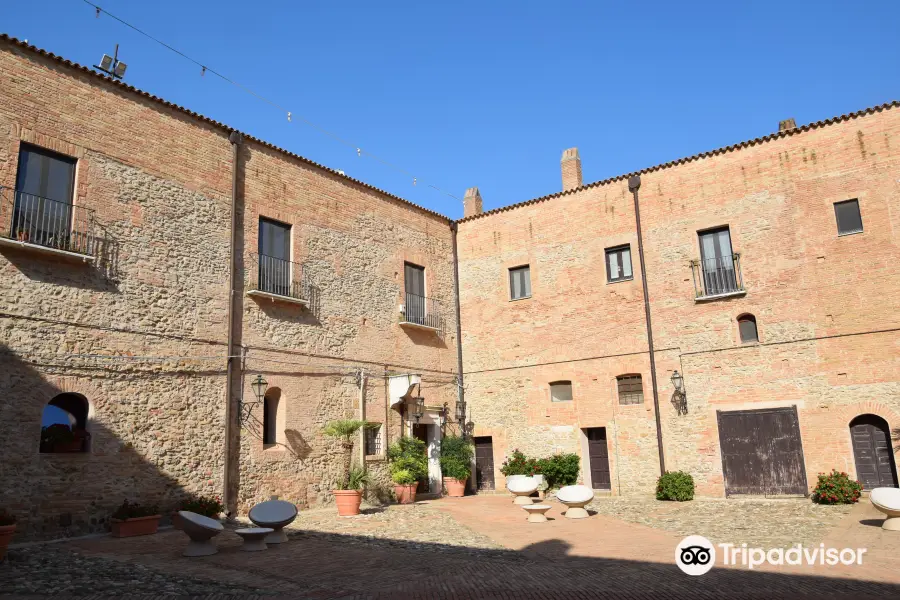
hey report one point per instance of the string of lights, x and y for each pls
(289, 114)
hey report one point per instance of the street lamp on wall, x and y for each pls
(679, 396)
(258, 385)
(419, 408)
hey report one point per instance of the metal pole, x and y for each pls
(634, 183)
(460, 392)
(362, 417)
(229, 494)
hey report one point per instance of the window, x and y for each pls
(618, 263)
(561, 391)
(64, 425)
(373, 440)
(717, 262)
(520, 283)
(274, 257)
(631, 389)
(848, 217)
(747, 327)
(271, 417)
(45, 186)
(414, 281)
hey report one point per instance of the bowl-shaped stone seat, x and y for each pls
(522, 486)
(276, 514)
(887, 500)
(201, 530)
(575, 497)
(536, 512)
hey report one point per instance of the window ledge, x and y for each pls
(608, 282)
(27, 246)
(413, 325)
(720, 296)
(518, 299)
(376, 458)
(277, 297)
(850, 233)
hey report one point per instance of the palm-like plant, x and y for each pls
(343, 430)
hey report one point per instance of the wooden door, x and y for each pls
(598, 457)
(762, 453)
(872, 452)
(484, 463)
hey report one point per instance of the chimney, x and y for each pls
(786, 125)
(571, 169)
(472, 202)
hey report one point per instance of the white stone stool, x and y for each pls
(887, 500)
(201, 530)
(536, 512)
(522, 487)
(254, 538)
(575, 497)
(276, 514)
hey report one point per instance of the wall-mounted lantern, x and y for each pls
(258, 385)
(679, 396)
(419, 408)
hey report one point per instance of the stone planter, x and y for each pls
(456, 488)
(136, 526)
(406, 493)
(6, 534)
(347, 501)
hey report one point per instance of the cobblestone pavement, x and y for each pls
(760, 523)
(431, 550)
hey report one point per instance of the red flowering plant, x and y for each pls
(519, 464)
(208, 506)
(836, 488)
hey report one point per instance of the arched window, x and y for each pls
(273, 418)
(747, 327)
(64, 425)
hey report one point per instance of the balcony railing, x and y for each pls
(421, 311)
(720, 276)
(277, 277)
(32, 219)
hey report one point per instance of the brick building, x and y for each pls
(133, 228)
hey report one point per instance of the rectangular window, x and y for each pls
(848, 218)
(520, 282)
(618, 263)
(415, 301)
(631, 389)
(373, 441)
(274, 257)
(45, 186)
(561, 391)
(717, 262)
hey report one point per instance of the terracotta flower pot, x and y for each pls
(406, 493)
(136, 526)
(6, 534)
(455, 488)
(347, 501)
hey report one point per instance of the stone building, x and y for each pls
(154, 264)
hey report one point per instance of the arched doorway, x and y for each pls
(64, 425)
(872, 452)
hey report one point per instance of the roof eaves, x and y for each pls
(205, 119)
(688, 159)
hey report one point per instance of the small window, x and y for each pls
(747, 326)
(631, 389)
(618, 263)
(520, 283)
(64, 425)
(848, 217)
(561, 391)
(270, 419)
(373, 440)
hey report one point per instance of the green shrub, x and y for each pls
(356, 480)
(133, 511)
(836, 488)
(208, 506)
(519, 464)
(456, 457)
(675, 485)
(407, 455)
(560, 469)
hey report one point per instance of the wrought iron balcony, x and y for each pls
(45, 224)
(277, 279)
(718, 277)
(419, 311)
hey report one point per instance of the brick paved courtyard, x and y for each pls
(465, 548)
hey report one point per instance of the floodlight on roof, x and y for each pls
(106, 62)
(112, 66)
(119, 71)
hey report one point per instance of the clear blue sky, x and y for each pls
(491, 93)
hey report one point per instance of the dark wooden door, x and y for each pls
(420, 432)
(872, 452)
(762, 453)
(484, 463)
(598, 455)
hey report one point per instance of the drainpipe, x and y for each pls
(634, 183)
(461, 393)
(229, 497)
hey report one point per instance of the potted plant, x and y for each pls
(208, 506)
(456, 461)
(409, 464)
(7, 529)
(348, 494)
(133, 519)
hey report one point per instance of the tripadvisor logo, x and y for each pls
(695, 555)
